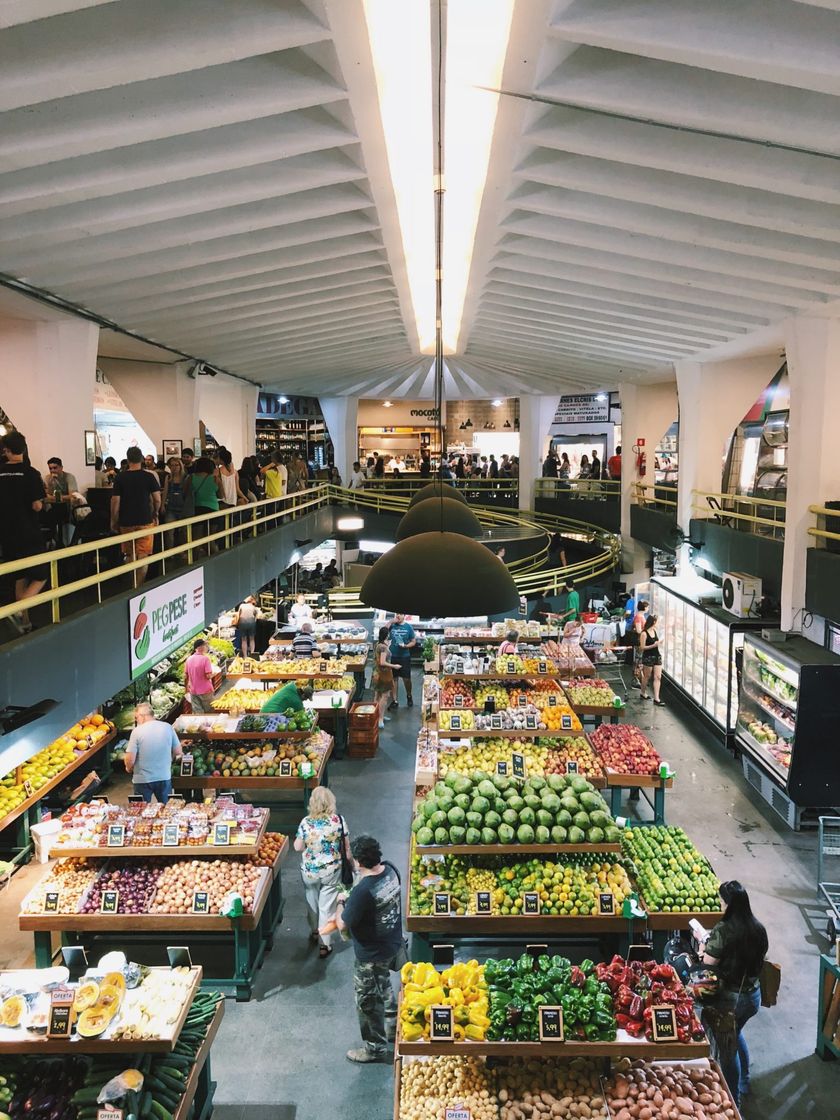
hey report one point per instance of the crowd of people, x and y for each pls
(591, 469)
(454, 468)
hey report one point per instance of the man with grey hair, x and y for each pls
(151, 748)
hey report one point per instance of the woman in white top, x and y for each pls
(229, 475)
(300, 612)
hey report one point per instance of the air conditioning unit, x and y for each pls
(741, 594)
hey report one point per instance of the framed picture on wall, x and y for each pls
(90, 449)
(172, 448)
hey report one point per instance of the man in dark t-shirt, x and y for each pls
(135, 504)
(21, 500)
(373, 916)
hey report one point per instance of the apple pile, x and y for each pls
(449, 689)
(625, 749)
(573, 749)
(589, 693)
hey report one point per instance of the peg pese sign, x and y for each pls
(163, 618)
(582, 408)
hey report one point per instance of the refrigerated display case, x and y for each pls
(787, 723)
(701, 646)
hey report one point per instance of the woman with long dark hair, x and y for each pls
(735, 949)
(650, 645)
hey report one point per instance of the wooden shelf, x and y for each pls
(506, 678)
(40, 794)
(147, 923)
(636, 781)
(191, 1084)
(289, 676)
(524, 925)
(595, 710)
(511, 849)
(176, 851)
(43, 1046)
(670, 919)
(248, 736)
(264, 782)
(625, 1046)
(509, 733)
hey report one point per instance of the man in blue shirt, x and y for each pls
(403, 640)
(151, 748)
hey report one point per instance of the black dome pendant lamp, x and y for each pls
(436, 489)
(440, 572)
(426, 517)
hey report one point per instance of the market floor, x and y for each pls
(281, 1056)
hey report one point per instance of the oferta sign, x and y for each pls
(163, 618)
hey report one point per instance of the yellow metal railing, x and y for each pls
(819, 530)
(764, 517)
(205, 531)
(603, 489)
(659, 495)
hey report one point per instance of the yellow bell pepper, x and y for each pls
(429, 996)
(455, 997)
(478, 1020)
(411, 1032)
(458, 1033)
(407, 972)
(462, 1015)
(414, 1013)
(474, 1034)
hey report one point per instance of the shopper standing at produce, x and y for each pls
(151, 748)
(135, 504)
(373, 916)
(320, 837)
(304, 644)
(289, 696)
(383, 681)
(650, 646)
(572, 603)
(245, 621)
(736, 949)
(403, 641)
(21, 500)
(198, 678)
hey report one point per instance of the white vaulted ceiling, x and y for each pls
(664, 182)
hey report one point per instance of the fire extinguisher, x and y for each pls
(641, 462)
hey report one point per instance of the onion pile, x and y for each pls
(135, 882)
(182, 878)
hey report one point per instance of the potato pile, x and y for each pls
(551, 1089)
(72, 878)
(665, 1092)
(429, 1088)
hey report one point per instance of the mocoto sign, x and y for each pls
(163, 618)
(426, 413)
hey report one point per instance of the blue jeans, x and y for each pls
(161, 790)
(736, 1064)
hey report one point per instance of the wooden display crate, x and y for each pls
(177, 851)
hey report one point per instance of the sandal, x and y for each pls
(324, 951)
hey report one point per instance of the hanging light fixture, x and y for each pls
(439, 572)
(436, 489)
(426, 517)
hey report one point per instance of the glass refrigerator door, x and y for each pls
(767, 710)
(699, 655)
(675, 639)
(717, 658)
(690, 649)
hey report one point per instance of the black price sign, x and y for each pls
(571, 766)
(458, 700)
(542, 667)
(61, 1013)
(455, 723)
(440, 1025)
(51, 900)
(135, 799)
(522, 700)
(186, 766)
(551, 1024)
(664, 1022)
(442, 904)
(518, 765)
(483, 902)
(511, 666)
(552, 699)
(171, 835)
(286, 768)
(606, 903)
(221, 834)
(496, 722)
(566, 722)
(490, 705)
(27, 787)
(201, 902)
(323, 667)
(502, 769)
(531, 722)
(530, 902)
(110, 902)
(116, 835)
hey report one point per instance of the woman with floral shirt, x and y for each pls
(319, 841)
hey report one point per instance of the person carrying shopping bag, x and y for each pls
(321, 839)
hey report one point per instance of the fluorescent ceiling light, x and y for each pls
(477, 33)
(400, 44)
(283, 400)
(601, 397)
(497, 404)
(386, 404)
(350, 524)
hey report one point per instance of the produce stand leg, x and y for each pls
(340, 732)
(421, 948)
(205, 1090)
(659, 804)
(306, 792)
(43, 948)
(272, 914)
(325, 774)
(359, 677)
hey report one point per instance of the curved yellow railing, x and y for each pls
(737, 507)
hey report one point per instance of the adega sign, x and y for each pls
(163, 618)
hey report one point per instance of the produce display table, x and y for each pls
(514, 849)
(625, 1046)
(178, 851)
(265, 784)
(598, 715)
(245, 736)
(335, 718)
(248, 937)
(199, 1088)
(29, 811)
(828, 1011)
(617, 783)
(506, 732)
(17, 1041)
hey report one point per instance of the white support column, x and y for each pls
(341, 415)
(714, 399)
(47, 379)
(161, 398)
(536, 415)
(228, 408)
(813, 354)
(647, 412)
